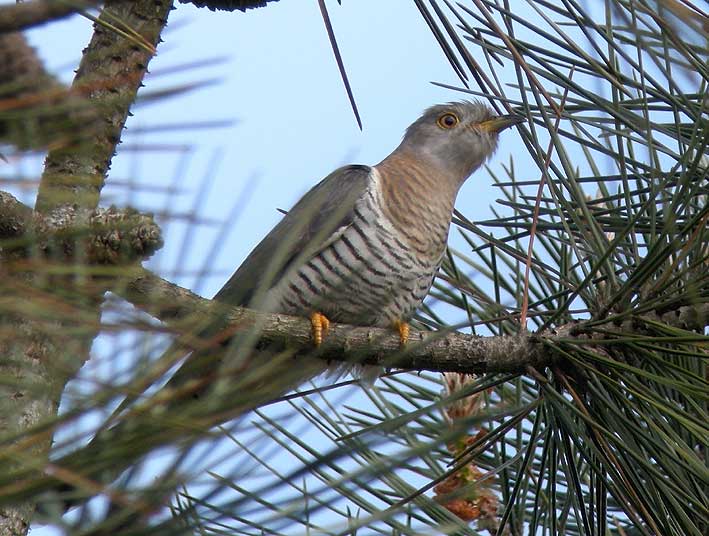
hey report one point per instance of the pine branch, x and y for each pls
(27, 86)
(434, 351)
(38, 356)
(109, 76)
(103, 235)
(18, 17)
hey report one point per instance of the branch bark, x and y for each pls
(109, 76)
(101, 236)
(169, 302)
(433, 351)
(22, 16)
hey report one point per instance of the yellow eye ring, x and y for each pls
(447, 120)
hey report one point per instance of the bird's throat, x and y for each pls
(418, 198)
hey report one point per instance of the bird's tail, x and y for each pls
(211, 386)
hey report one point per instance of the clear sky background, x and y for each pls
(278, 81)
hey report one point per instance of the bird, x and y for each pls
(363, 246)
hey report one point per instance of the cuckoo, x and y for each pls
(363, 246)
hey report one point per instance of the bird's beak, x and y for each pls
(500, 123)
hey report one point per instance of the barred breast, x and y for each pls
(369, 273)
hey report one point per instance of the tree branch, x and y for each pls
(171, 303)
(15, 217)
(104, 235)
(28, 88)
(109, 76)
(21, 68)
(18, 17)
(434, 351)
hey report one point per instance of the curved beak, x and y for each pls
(500, 123)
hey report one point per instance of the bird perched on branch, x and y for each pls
(363, 246)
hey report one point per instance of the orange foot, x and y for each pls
(403, 329)
(320, 325)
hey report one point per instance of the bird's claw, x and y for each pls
(403, 329)
(320, 325)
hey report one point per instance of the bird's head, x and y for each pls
(456, 137)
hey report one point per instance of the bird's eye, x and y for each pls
(448, 120)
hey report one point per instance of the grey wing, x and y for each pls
(308, 227)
